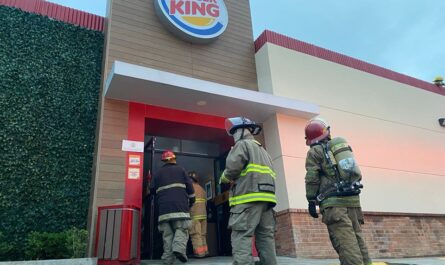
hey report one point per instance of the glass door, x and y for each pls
(222, 209)
(151, 245)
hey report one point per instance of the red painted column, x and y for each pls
(133, 181)
(136, 128)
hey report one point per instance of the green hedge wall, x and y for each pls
(49, 91)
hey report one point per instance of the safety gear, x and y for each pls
(175, 235)
(174, 193)
(198, 211)
(438, 81)
(341, 213)
(316, 130)
(341, 189)
(240, 134)
(198, 214)
(232, 124)
(246, 221)
(167, 156)
(312, 208)
(249, 166)
(223, 179)
(340, 159)
(321, 179)
(198, 234)
(193, 175)
(345, 233)
(181, 256)
(343, 158)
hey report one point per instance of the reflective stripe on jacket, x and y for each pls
(198, 210)
(249, 166)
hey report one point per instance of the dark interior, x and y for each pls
(200, 149)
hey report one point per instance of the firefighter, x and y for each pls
(333, 182)
(174, 195)
(198, 232)
(252, 194)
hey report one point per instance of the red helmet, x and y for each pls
(316, 130)
(167, 156)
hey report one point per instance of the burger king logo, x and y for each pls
(197, 21)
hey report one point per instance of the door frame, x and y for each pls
(137, 115)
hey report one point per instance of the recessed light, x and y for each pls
(201, 103)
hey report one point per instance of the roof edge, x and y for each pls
(290, 43)
(58, 12)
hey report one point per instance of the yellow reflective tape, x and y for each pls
(200, 200)
(252, 194)
(174, 185)
(258, 143)
(259, 169)
(223, 179)
(199, 217)
(252, 197)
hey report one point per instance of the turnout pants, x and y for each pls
(198, 234)
(346, 234)
(175, 236)
(251, 219)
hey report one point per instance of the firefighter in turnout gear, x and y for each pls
(333, 182)
(198, 232)
(252, 195)
(174, 196)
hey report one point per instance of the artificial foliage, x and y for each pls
(49, 91)
(71, 243)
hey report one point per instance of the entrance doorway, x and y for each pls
(198, 148)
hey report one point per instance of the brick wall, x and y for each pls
(388, 235)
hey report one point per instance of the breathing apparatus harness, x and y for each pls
(341, 188)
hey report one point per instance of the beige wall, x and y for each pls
(392, 128)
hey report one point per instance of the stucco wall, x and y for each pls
(392, 128)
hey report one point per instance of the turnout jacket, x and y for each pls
(249, 167)
(320, 177)
(198, 210)
(174, 192)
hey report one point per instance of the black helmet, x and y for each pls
(193, 175)
(232, 124)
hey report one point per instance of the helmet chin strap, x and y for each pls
(240, 133)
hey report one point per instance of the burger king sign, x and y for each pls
(197, 21)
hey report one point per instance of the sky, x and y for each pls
(406, 36)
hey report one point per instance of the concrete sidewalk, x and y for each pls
(299, 261)
(228, 261)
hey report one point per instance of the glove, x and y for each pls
(223, 179)
(313, 209)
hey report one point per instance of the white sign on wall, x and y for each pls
(134, 173)
(132, 146)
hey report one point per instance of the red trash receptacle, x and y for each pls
(117, 235)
